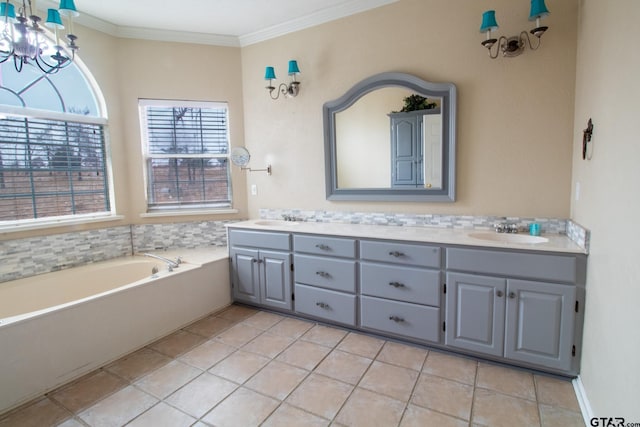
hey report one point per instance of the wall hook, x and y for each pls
(586, 138)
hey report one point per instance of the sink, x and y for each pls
(275, 223)
(509, 238)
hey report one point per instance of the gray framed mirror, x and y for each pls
(391, 137)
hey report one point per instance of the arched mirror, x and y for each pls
(391, 137)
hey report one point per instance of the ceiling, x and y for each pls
(218, 22)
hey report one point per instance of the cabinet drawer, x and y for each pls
(325, 246)
(331, 273)
(260, 239)
(514, 264)
(400, 318)
(408, 284)
(401, 253)
(330, 305)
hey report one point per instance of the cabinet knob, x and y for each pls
(254, 260)
(499, 294)
(396, 284)
(512, 295)
(323, 305)
(396, 319)
(323, 247)
(323, 274)
(396, 254)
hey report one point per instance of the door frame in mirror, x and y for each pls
(445, 91)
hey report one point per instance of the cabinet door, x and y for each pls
(540, 323)
(244, 273)
(475, 313)
(275, 283)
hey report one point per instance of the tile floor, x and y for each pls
(244, 367)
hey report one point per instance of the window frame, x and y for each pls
(176, 209)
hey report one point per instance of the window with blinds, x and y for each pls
(186, 149)
(51, 168)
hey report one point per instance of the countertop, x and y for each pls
(447, 236)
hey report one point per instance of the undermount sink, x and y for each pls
(275, 222)
(509, 238)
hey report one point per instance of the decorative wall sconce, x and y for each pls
(291, 90)
(513, 46)
(586, 139)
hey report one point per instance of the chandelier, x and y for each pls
(23, 39)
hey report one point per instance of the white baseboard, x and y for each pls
(583, 401)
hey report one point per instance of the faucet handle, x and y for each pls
(179, 260)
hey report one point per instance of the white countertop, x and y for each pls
(448, 236)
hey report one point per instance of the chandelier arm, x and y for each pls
(271, 90)
(498, 46)
(524, 36)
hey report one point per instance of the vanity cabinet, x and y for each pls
(520, 315)
(400, 287)
(261, 268)
(325, 278)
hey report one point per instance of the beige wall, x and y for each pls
(607, 90)
(515, 115)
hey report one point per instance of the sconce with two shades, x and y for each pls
(514, 46)
(291, 90)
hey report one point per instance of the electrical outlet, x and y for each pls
(254, 190)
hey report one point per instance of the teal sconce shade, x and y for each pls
(293, 67)
(269, 73)
(488, 21)
(538, 10)
(7, 10)
(54, 20)
(68, 8)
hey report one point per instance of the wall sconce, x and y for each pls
(513, 46)
(290, 91)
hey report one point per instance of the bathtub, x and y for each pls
(59, 326)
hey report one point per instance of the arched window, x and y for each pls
(53, 159)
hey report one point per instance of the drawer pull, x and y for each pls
(323, 247)
(396, 319)
(396, 254)
(323, 305)
(323, 274)
(396, 285)
(254, 260)
(499, 294)
(512, 295)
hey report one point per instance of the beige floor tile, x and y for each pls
(243, 408)
(240, 366)
(238, 335)
(443, 395)
(555, 392)
(169, 378)
(88, 390)
(71, 422)
(415, 416)
(343, 366)
(392, 381)
(362, 345)
(324, 335)
(177, 343)
(506, 380)
(287, 415)
(42, 412)
(304, 354)
(263, 320)
(320, 395)
(162, 415)
(138, 364)
(451, 367)
(201, 394)
(402, 355)
(557, 417)
(207, 354)
(268, 344)
(277, 379)
(365, 408)
(499, 410)
(210, 326)
(119, 408)
(237, 313)
(292, 328)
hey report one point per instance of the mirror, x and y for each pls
(385, 142)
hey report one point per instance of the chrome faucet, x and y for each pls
(504, 227)
(171, 264)
(289, 218)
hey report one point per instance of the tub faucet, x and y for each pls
(170, 263)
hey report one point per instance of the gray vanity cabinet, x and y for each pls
(261, 275)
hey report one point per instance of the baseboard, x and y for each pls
(583, 401)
